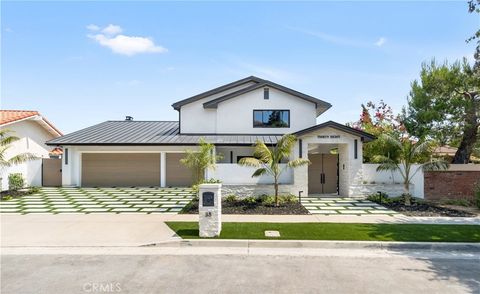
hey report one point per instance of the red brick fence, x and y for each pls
(456, 183)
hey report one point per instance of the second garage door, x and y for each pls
(120, 169)
(177, 174)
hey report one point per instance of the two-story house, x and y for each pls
(233, 117)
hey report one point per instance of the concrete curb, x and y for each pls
(313, 244)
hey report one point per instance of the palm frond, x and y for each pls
(250, 161)
(259, 172)
(434, 165)
(388, 166)
(298, 162)
(7, 140)
(421, 148)
(391, 140)
(22, 157)
(262, 152)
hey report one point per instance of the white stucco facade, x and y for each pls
(32, 137)
(229, 111)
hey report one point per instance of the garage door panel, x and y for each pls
(177, 174)
(120, 169)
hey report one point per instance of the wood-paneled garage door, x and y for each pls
(120, 169)
(177, 174)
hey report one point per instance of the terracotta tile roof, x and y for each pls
(56, 151)
(8, 116)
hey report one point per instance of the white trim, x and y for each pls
(41, 121)
(163, 169)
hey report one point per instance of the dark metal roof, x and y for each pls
(152, 133)
(366, 137)
(321, 105)
(220, 89)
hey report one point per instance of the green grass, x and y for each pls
(339, 231)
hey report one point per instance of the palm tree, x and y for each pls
(5, 141)
(199, 161)
(410, 153)
(267, 161)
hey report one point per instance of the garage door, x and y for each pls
(177, 174)
(120, 169)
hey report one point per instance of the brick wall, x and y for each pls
(450, 184)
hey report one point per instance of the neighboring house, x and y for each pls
(33, 130)
(233, 117)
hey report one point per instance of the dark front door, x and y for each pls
(323, 174)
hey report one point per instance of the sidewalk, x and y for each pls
(388, 219)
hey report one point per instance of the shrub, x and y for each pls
(268, 200)
(33, 190)
(378, 197)
(289, 199)
(250, 200)
(15, 181)
(231, 198)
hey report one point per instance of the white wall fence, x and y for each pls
(234, 174)
(391, 181)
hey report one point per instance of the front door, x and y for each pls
(323, 174)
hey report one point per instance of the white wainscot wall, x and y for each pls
(234, 174)
(388, 182)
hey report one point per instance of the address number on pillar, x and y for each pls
(207, 199)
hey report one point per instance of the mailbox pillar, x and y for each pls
(210, 210)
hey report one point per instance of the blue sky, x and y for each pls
(83, 63)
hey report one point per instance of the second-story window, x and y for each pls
(271, 118)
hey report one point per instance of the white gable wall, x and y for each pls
(32, 139)
(196, 119)
(236, 115)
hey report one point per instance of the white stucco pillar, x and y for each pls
(163, 169)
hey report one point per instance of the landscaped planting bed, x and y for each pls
(338, 231)
(418, 207)
(254, 205)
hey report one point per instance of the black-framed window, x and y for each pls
(266, 94)
(271, 118)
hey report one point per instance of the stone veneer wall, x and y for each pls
(243, 191)
(392, 190)
(450, 184)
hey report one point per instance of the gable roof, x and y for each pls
(11, 116)
(321, 105)
(366, 137)
(214, 91)
(153, 133)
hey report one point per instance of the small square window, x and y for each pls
(266, 94)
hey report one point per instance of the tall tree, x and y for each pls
(444, 104)
(474, 7)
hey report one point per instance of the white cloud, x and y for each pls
(112, 30)
(380, 42)
(92, 27)
(125, 45)
(8, 30)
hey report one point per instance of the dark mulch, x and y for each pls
(239, 207)
(425, 209)
(14, 194)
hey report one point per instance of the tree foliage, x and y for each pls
(378, 119)
(6, 140)
(267, 160)
(409, 152)
(200, 160)
(444, 104)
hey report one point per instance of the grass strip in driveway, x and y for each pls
(338, 231)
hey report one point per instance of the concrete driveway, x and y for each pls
(101, 200)
(85, 229)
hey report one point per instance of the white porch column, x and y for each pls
(163, 169)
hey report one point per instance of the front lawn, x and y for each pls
(339, 231)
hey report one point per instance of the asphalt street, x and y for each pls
(191, 270)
